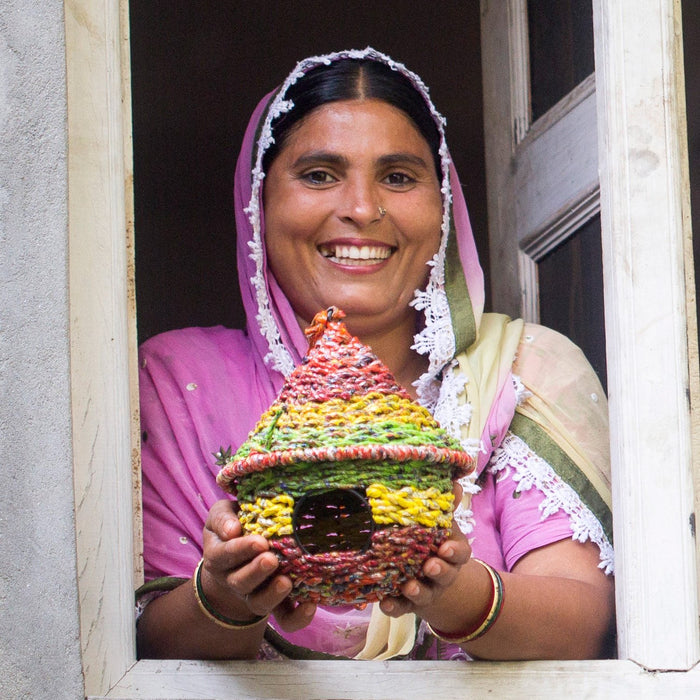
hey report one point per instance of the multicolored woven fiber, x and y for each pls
(346, 476)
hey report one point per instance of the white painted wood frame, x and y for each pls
(102, 335)
(649, 318)
(653, 495)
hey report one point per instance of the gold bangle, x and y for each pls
(491, 616)
(209, 611)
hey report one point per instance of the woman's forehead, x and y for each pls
(365, 123)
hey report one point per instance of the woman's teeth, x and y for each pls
(355, 255)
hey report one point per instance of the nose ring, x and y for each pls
(382, 212)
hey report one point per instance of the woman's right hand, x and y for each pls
(238, 573)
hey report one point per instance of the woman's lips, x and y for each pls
(355, 255)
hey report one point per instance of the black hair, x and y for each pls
(353, 79)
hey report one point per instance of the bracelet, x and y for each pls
(485, 624)
(206, 607)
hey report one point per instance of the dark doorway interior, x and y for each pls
(199, 69)
(691, 50)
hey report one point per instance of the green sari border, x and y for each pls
(164, 584)
(294, 652)
(458, 299)
(544, 446)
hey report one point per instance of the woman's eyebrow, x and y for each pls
(402, 158)
(333, 158)
(316, 157)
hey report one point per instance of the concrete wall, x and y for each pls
(39, 631)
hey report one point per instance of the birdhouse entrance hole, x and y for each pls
(333, 520)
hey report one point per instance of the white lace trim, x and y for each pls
(464, 517)
(531, 470)
(436, 340)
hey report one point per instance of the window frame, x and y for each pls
(647, 323)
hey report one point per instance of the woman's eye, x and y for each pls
(318, 177)
(399, 179)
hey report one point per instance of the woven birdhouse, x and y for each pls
(347, 477)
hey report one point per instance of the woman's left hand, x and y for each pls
(439, 574)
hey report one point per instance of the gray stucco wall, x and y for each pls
(39, 630)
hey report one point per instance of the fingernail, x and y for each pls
(388, 606)
(432, 570)
(449, 552)
(268, 564)
(258, 547)
(281, 587)
(412, 589)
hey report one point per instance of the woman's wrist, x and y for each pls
(490, 613)
(214, 614)
(472, 602)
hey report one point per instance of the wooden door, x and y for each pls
(542, 167)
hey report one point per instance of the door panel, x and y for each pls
(560, 36)
(556, 164)
(542, 176)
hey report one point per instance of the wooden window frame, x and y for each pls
(649, 319)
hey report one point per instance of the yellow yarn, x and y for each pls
(272, 517)
(363, 410)
(269, 517)
(408, 506)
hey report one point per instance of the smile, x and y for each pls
(355, 255)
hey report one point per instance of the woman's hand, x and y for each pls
(238, 573)
(439, 574)
(238, 580)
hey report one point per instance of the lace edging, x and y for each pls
(531, 470)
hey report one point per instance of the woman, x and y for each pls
(345, 195)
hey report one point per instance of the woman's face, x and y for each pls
(326, 241)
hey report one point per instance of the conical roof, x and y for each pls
(343, 404)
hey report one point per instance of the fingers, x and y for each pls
(292, 618)
(458, 492)
(222, 521)
(226, 546)
(456, 550)
(438, 574)
(238, 568)
(396, 606)
(238, 575)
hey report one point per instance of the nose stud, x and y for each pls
(382, 212)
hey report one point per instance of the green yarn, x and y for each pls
(342, 435)
(298, 479)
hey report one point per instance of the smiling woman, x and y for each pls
(353, 201)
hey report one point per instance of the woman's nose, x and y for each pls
(360, 204)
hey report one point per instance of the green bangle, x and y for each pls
(209, 611)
